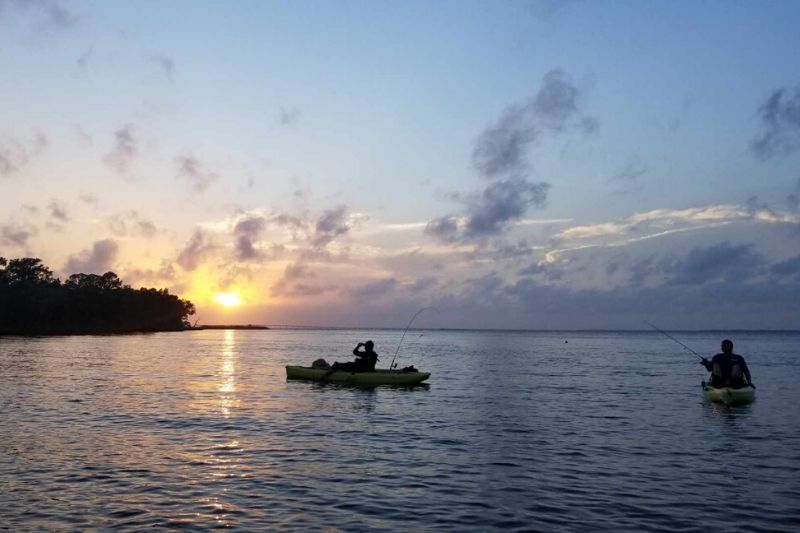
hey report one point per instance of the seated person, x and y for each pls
(365, 360)
(727, 368)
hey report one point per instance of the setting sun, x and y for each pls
(228, 299)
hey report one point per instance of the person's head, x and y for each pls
(727, 346)
(369, 345)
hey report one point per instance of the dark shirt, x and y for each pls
(366, 360)
(721, 368)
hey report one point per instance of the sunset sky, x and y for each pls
(551, 164)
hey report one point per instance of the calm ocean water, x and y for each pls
(517, 430)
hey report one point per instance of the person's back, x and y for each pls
(727, 368)
(367, 359)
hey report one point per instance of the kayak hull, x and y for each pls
(729, 396)
(378, 377)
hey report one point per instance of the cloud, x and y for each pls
(500, 203)
(246, 231)
(330, 225)
(58, 211)
(292, 282)
(165, 63)
(89, 199)
(164, 274)
(16, 235)
(46, 14)
(198, 178)
(124, 151)
(95, 261)
(444, 228)
(131, 223)
(502, 147)
(719, 262)
(780, 121)
(195, 251)
(15, 153)
(793, 199)
(374, 289)
(288, 117)
(789, 268)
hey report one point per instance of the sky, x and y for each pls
(517, 165)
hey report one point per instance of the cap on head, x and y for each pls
(727, 345)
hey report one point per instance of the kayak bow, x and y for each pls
(378, 377)
(728, 395)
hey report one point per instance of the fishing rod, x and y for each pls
(673, 338)
(405, 330)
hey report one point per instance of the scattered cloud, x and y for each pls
(191, 170)
(89, 199)
(16, 235)
(500, 203)
(45, 15)
(330, 225)
(501, 148)
(793, 199)
(165, 63)
(82, 63)
(131, 224)
(444, 228)
(294, 282)
(374, 289)
(98, 260)
(246, 231)
(58, 211)
(288, 117)
(15, 153)
(789, 268)
(195, 250)
(124, 151)
(780, 122)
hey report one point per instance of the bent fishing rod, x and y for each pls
(673, 338)
(391, 365)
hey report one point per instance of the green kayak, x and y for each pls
(379, 377)
(728, 395)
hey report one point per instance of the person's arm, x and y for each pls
(708, 364)
(355, 350)
(746, 372)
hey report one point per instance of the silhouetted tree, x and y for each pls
(33, 302)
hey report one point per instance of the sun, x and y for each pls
(228, 299)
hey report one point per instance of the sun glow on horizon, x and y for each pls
(228, 299)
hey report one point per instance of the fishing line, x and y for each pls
(391, 365)
(673, 338)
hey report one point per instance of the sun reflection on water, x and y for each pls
(227, 374)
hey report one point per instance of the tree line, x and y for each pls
(34, 302)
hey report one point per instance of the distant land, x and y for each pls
(228, 326)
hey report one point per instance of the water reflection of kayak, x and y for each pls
(729, 395)
(378, 377)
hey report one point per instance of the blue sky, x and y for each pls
(552, 164)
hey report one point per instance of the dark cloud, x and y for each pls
(787, 269)
(720, 262)
(443, 228)
(330, 225)
(422, 284)
(16, 153)
(131, 223)
(15, 235)
(500, 203)
(58, 211)
(793, 199)
(374, 289)
(780, 121)
(628, 177)
(288, 117)
(198, 178)
(246, 231)
(501, 148)
(83, 60)
(195, 251)
(124, 151)
(152, 277)
(95, 261)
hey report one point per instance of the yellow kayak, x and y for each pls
(729, 395)
(378, 377)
